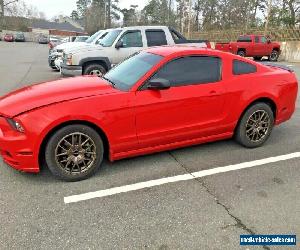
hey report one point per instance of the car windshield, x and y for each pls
(80, 39)
(127, 73)
(93, 37)
(109, 39)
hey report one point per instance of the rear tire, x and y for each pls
(255, 126)
(241, 53)
(74, 152)
(274, 56)
(94, 69)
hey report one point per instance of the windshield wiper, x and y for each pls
(110, 81)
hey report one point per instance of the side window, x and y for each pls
(191, 70)
(263, 39)
(257, 39)
(132, 39)
(241, 68)
(244, 39)
(156, 38)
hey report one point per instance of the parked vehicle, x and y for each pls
(158, 99)
(69, 39)
(20, 37)
(56, 53)
(117, 45)
(255, 46)
(43, 39)
(9, 38)
(54, 41)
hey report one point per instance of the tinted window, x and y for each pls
(132, 39)
(245, 39)
(191, 70)
(127, 73)
(257, 39)
(156, 37)
(240, 68)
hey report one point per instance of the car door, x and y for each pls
(131, 42)
(257, 46)
(192, 107)
(263, 46)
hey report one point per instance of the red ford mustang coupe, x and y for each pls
(159, 99)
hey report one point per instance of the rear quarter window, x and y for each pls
(156, 38)
(242, 68)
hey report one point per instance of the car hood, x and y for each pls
(64, 46)
(85, 48)
(44, 94)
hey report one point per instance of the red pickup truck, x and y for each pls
(255, 46)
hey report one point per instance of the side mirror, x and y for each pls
(158, 84)
(119, 44)
(268, 41)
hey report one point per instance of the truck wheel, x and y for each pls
(274, 56)
(94, 69)
(257, 58)
(255, 126)
(241, 53)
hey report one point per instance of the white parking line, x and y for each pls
(184, 177)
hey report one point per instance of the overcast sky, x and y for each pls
(55, 7)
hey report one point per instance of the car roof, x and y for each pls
(138, 27)
(170, 50)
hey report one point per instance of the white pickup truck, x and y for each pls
(57, 51)
(118, 44)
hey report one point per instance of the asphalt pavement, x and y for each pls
(201, 213)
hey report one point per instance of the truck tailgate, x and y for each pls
(223, 47)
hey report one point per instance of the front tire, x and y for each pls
(94, 69)
(255, 126)
(74, 152)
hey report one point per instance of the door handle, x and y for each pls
(213, 92)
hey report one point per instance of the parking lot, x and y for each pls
(209, 212)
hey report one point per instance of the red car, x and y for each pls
(8, 38)
(159, 99)
(255, 46)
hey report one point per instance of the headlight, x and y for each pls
(16, 125)
(69, 59)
